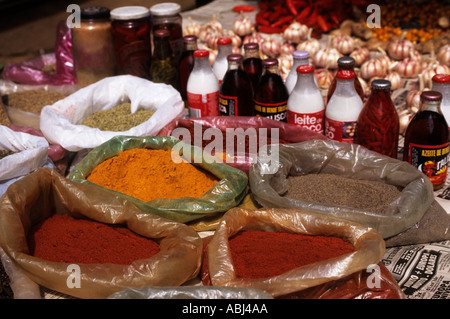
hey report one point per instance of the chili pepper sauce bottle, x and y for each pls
(163, 68)
(378, 124)
(427, 140)
(252, 63)
(271, 95)
(202, 87)
(343, 109)
(300, 57)
(305, 106)
(236, 92)
(220, 65)
(186, 63)
(131, 34)
(441, 83)
(345, 63)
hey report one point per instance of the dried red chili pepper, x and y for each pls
(304, 14)
(269, 29)
(244, 8)
(291, 7)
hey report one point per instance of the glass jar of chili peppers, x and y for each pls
(131, 33)
(167, 16)
(378, 124)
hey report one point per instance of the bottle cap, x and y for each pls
(345, 75)
(201, 53)
(441, 78)
(190, 38)
(270, 62)
(305, 69)
(94, 12)
(431, 96)
(162, 33)
(381, 84)
(224, 41)
(129, 13)
(251, 46)
(235, 57)
(346, 61)
(300, 54)
(165, 9)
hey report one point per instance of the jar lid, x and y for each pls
(381, 84)
(441, 78)
(190, 38)
(94, 12)
(224, 41)
(165, 9)
(345, 75)
(346, 61)
(251, 46)
(129, 13)
(201, 53)
(305, 69)
(161, 33)
(270, 62)
(431, 96)
(300, 54)
(235, 57)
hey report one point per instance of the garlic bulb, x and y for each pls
(416, 55)
(193, 28)
(287, 49)
(211, 39)
(243, 26)
(212, 56)
(400, 49)
(236, 41)
(360, 56)
(324, 78)
(271, 47)
(365, 86)
(344, 44)
(404, 116)
(373, 68)
(413, 97)
(295, 33)
(311, 45)
(215, 24)
(255, 37)
(408, 68)
(327, 57)
(443, 55)
(396, 80)
(285, 63)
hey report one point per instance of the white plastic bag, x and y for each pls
(31, 153)
(59, 122)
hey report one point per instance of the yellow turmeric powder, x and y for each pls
(148, 174)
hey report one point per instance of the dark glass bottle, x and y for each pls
(236, 92)
(271, 95)
(163, 67)
(346, 63)
(186, 63)
(378, 124)
(427, 140)
(252, 63)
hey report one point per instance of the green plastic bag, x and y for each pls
(224, 195)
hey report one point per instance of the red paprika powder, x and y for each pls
(62, 238)
(261, 254)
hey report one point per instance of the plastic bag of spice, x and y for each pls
(415, 192)
(60, 122)
(43, 193)
(245, 130)
(220, 269)
(227, 193)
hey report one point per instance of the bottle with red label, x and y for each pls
(130, 28)
(441, 83)
(186, 63)
(378, 123)
(202, 87)
(427, 140)
(343, 109)
(252, 63)
(271, 95)
(220, 65)
(305, 106)
(300, 57)
(236, 92)
(345, 63)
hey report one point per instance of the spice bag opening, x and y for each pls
(348, 161)
(228, 192)
(44, 192)
(60, 122)
(368, 244)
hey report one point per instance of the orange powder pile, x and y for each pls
(148, 174)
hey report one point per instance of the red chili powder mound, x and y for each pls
(62, 238)
(260, 254)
